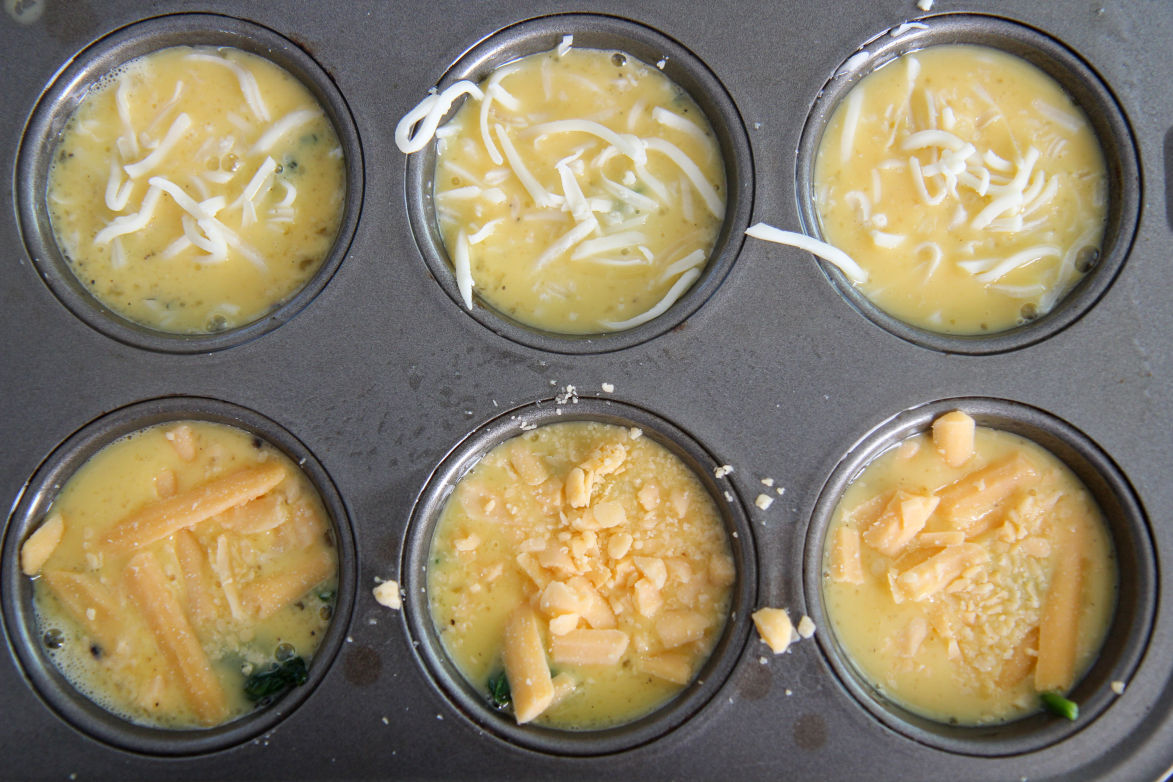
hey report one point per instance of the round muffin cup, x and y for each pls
(1076, 78)
(426, 641)
(62, 98)
(20, 621)
(682, 67)
(1127, 636)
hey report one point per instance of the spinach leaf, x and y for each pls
(276, 680)
(499, 694)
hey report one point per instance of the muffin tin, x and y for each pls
(378, 376)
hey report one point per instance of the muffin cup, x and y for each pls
(1136, 598)
(1077, 79)
(63, 96)
(20, 619)
(426, 641)
(683, 68)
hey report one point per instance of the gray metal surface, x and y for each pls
(381, 375)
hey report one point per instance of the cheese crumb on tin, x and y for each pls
(387, 594)
(608, 388)
(764, 501)
(722, 471)
(1118, 687)
(775, 628)
(806, 626)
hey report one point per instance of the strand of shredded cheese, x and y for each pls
(827, 252)
(174, 133)
(127, 224)
(674, 293)
(248, 83)
(282, 126)
(565, 242)
(428, 113)
(708, 194)
(463, 265)
(542, 197)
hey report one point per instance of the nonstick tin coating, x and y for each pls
(774, 373)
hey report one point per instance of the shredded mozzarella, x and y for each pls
(605, 244)
(542, 197)
(850, 125)
(626, 143)
(463, 266)
(672, 120)
(992, 269)
(248, 83)
(117, 191)
(566, 242)
(261, 181)
(690, 261)
(174, 133)
(293, 119)
(486, 231)
(120, 226)
(427, 115)
(674, 293)
(827, 252)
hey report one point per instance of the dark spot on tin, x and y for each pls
(619, 59)
(1086, 259)
(96, 651)
(361, 666)
(54, 638)
(810, 732)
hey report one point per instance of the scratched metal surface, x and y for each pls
(775, 374)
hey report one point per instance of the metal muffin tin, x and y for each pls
(385, 379)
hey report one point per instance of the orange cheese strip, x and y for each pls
(89, 603)
(267, 596)
(147, 585)
(197, 579)
(1059, 626)
(525, 665)
(163, 518)
(969, 499)
(589, 647)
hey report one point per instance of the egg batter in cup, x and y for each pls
(195, 189)
(967, 185)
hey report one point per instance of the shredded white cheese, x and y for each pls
(427, 114)
(674, 293)
(811, 245)
(463, 266)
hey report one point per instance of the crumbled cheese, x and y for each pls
(767, 481)
(608, 388)
(764, 501)
(722, 471)
(806, 627)
(1118, 687)
(925, 5)
(387, 594)
(635, 433)
(775, 628)
(567, 394)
